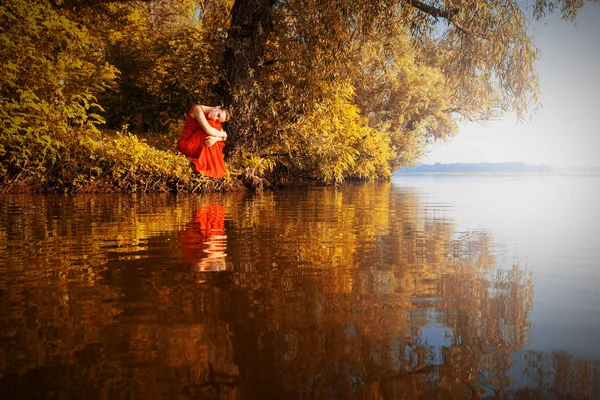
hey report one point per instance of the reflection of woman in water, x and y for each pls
(204, 242)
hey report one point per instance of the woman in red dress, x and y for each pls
(202, 139)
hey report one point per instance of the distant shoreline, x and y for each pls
(501, 173)
(513, 168)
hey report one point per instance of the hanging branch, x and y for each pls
(441, 13)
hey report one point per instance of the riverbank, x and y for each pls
(88, 162)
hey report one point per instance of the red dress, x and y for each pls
(206, 159)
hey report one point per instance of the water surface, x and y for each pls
(426, 287)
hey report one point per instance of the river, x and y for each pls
(458, 287)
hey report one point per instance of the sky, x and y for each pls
(565, 130)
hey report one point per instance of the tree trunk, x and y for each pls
(251, 24)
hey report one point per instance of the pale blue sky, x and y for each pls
(565, 131)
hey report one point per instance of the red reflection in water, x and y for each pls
(204, 243)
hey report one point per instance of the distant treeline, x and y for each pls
(506, 167)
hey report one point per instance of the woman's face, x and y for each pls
(217, 114)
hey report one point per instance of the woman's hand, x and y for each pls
(210, 140)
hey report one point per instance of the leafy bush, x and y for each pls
(88, 161)
(330, 143)
(51, 75)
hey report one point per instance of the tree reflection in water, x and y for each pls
(377, 304)
(352, 292)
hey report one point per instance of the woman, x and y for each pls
(202, 139)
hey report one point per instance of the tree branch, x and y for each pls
(434, 12)
(441, 13)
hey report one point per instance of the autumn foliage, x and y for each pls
(320, 90)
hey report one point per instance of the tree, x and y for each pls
(167, 54)
(416, 67)
(52, 73)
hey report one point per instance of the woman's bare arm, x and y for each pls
(198, 113)
(206, 108)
